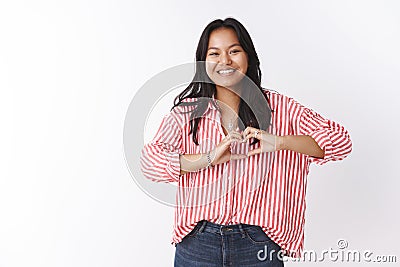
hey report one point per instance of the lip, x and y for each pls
(231, 72)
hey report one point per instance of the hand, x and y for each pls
(222, 152)
(268, 142)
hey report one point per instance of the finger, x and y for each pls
(238, 156)
(229, 141)
(237, 136)
(244, 134)
(231, 134)
(252, 135)
(254, 152)
(246, 137)
(227, 138)
(248, 130)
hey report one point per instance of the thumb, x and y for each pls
(254, 152)
(238, 156)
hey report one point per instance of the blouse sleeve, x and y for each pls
(332, 137)
(160, 158)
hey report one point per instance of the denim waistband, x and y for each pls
(210, 227)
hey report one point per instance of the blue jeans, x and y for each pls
(241, 245)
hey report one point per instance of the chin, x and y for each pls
(228, 84)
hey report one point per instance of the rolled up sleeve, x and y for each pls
(160, 158)
(332, 137)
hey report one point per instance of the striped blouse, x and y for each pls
(267, 189)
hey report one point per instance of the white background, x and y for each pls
(69, 69)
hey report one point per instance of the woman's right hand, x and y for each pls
(222, 153)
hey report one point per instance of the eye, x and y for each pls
(213, 54)
(235, 51)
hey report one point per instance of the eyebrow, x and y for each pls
(232, 45)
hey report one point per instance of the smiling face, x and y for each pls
(226, 60)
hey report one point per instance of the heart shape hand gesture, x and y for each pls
(222, 153)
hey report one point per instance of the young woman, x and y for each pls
(240, 155)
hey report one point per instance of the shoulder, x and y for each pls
(275, 98)
(180, 114)
(283, 105)
(186, 105)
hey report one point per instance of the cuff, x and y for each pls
(323, 140)
(173, 168)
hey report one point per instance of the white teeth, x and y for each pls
(226, 71)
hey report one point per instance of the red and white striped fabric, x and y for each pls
(267, 189)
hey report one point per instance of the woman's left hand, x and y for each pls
(268, 142)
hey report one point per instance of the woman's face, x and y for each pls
(226, 61)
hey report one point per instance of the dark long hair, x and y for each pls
(204, 89)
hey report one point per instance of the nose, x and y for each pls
(225, 59)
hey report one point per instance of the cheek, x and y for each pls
(210, 67)
(244, 64)
(245, 68)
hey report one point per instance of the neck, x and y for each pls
(230, 100)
